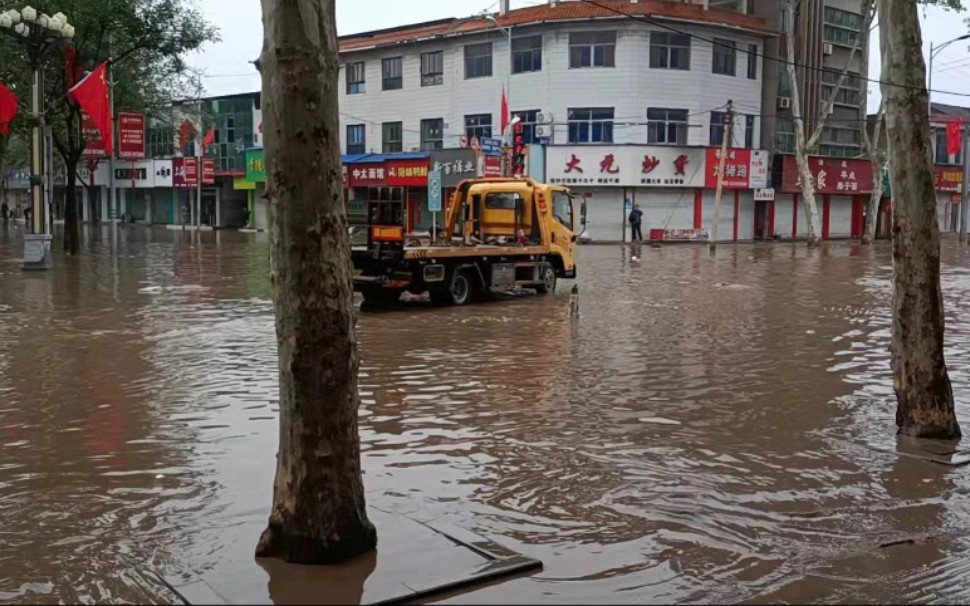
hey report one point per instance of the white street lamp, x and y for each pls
(39, 40)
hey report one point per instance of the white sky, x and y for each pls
(227, 63)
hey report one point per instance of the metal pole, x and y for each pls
(964, 198)
(728, 122)
(112, 203)
(929, 85)
(200, 171)
(37, 155)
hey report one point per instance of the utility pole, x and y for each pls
(200, 154)
(722, 161)
(112, 192)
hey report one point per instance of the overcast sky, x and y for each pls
(239, 21)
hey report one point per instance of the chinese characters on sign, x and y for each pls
(458, 167)
(185, 172)
(834, 176)
(948, 179)
(625, 166)
(131, 136)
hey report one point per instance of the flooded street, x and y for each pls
(702, 433)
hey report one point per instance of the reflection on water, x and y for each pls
(700, 434)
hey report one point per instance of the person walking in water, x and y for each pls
(636, 223)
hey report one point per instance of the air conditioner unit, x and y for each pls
(827, 48)
(784, 102)
(544, 118)
(542, 131)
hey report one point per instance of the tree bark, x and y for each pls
(878, 167)
(318, 515)
(806, 184)
(923, 390)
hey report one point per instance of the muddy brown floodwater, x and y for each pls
(702, 433)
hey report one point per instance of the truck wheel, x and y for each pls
(548, 284)
(461, 291)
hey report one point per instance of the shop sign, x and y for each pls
(764, 195)
(185, 172)
(491, 166)
(455, 165)
(948, 178)
(408, 173)
(743, 168)
(131, 136)
(834, 176)
(255, 166)
(366, 175)
(626, 166)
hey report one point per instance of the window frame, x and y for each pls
(662, 125)
(663, 47)
(753, 53)
(533, 54)
(472, 65)
(717, 128)
(426, 129)
(727, 51)
(356, 87)
(589, 124)
(607, 54)
(478, 125)
(362, 144)
(437, 60)
(530, 120)
(392, 149)
(397, 82)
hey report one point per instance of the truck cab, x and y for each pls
(498, 234)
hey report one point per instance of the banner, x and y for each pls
(185, 172)
(94, 143)
(131, 136)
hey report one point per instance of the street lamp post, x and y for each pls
(39, 33)
(507, 135)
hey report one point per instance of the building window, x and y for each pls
(749, 132)
(356, 139)
(391, 69)
(432, 134)
(669, 51)
(356, 84)
(230, 129)
(841, 142)
(666, 126)
(784, 82)
(432, 68)
(591, 125)
(753, 62)
(478, 125)
(850, 93)
(526, 54)
(391, 137)
(717, 127)
(725, 57)
(530, 122)
(842, 27)
(592, 49)
(785, 137)
(478, 60)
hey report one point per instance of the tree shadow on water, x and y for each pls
(333, 584)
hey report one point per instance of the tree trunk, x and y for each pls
(806, 183)
(872, 211)
(319, 515)
(72, 237)
(925, 397)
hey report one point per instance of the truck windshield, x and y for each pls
(562, 208)
(501, 201)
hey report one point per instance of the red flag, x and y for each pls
(953, 137)
(210, 137)
(8, 109)
(505, 112)
(92, 95)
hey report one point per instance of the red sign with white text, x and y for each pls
(365, 175)
(836, 176)
(948, 178)
(131, 136)
(491, 166)
(93, 142)
(185, 172)
(408, 173)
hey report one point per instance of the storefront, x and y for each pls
(393, 185)
(842, 188)
(456, 165)
(674, 186)
(949, 185)
(254, 184)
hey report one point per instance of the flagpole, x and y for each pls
(112, 202)
(200, 169)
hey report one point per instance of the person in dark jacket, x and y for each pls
(636, 223)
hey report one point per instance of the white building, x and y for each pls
(645, 72)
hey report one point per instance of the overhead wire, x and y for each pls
(654, 22)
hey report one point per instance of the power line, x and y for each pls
(650, 21)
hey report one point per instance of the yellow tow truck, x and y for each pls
(499, 234)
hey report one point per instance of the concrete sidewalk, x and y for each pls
(413, 561)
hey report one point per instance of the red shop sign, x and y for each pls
(408, 173)
(837, 176)
(737, 168)
(948, 178)
(366, 175)
(185, 172)
(492, 166)
(131, 136)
